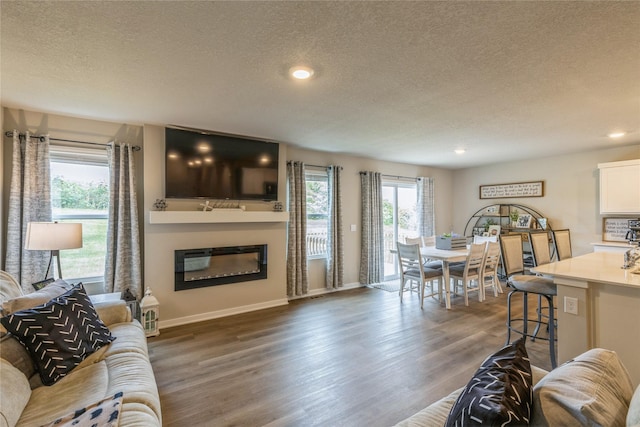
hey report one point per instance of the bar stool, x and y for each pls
(544, 288)
(512, 254)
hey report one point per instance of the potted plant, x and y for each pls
(513, 215)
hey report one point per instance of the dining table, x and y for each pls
(447, 256)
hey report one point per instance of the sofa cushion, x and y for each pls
(500, 392)
(59, 334)
(15, 394)
(15, 353)
(633, 416)
(44, 295)
(592, 389)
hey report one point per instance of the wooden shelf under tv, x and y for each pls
(215, 216)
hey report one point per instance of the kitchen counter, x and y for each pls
(608, 301)
(601, 267)
(619, 247)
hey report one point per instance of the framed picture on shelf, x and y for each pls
(494, 230)
(524, 221)
(543, 223)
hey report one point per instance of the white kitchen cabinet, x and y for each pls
(620, 187)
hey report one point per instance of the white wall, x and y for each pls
(571, 190)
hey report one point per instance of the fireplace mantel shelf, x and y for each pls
(217, 216)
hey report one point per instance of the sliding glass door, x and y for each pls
(399, 199)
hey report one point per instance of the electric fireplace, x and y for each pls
(197, 268)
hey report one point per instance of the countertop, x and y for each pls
(602, 267)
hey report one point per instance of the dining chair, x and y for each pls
(562, 243)
(427, 263)
(481, 239)
(526, 284)
(489, 276)
(413, 271)
(470, 272)
(414, 241)
(429, 240)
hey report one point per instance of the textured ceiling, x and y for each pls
(399, 81)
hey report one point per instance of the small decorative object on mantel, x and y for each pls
(150, 317)
(277, 207)
(206, 206)
(160, 204)
(221, 204)
(516, 189)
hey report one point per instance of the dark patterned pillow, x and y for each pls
(59, 334)
(500, 392)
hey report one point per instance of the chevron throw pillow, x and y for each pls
(500, 392)
(59, 334)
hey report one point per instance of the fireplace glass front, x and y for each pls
(196, 268)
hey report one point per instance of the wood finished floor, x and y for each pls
(352, 358)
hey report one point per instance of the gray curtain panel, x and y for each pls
(371, 245)
(335, 244)
(122, 263)
(426, 216)
(29, 201)
(297, 282)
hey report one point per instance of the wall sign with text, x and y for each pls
(615, 229)
(516, 189)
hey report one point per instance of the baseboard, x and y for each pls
(221, 313)
(324, 291)
(252, 307)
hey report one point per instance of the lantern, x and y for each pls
(150, 314)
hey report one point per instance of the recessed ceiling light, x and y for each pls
(616, 134)
(301, 73)
(459, 151)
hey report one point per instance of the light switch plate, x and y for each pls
(571, 305)
(353, 227)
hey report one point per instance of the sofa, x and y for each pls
(114, 380)
(594, 389)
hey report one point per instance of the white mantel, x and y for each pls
(216, 216)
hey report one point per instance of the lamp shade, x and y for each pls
(50, 236)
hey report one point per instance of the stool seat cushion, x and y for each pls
(533, 284)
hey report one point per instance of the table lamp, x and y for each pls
(53, 236)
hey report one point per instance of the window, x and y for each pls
(400, 220)
(80, 193)
(317, 212)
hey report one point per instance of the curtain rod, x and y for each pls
(393, 176)
(315, 166)
(41, 138)
(399, 177)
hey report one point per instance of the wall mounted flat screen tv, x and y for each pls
(214, 166)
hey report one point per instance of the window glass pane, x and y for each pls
(80, 193)
(87, 261)
(317, 214)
